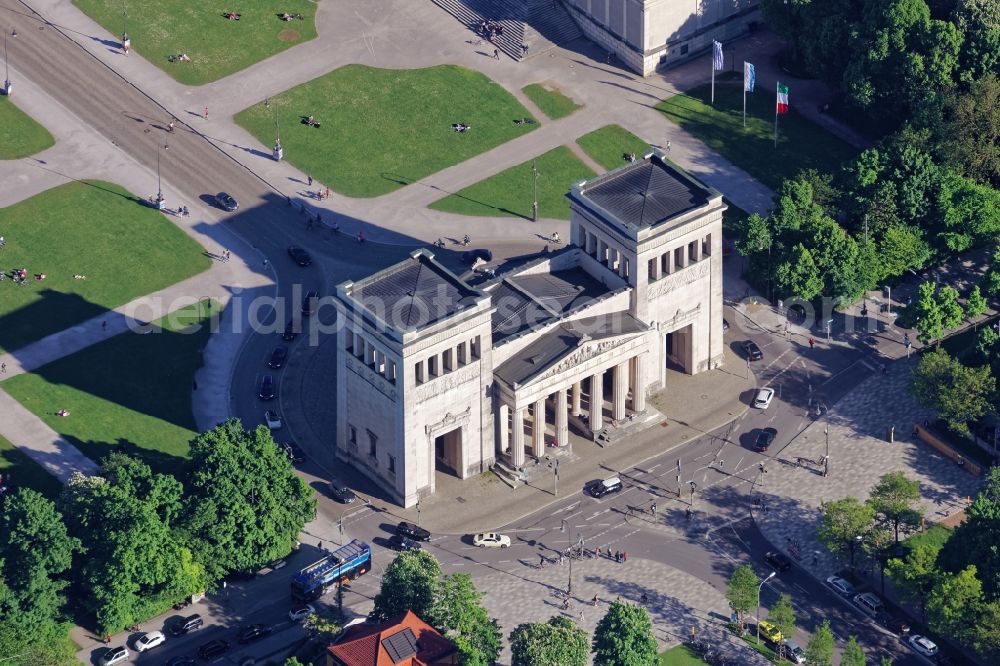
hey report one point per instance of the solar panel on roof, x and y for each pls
(401, 645)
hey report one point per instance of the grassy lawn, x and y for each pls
(680, 655)
(550, 100)
(801, 144)
(20, 136)
(382, 129)
(509, 192)
(124, 248)
(131, 393)
(217, 46)
(934, 536)
(607, 145)
(20, 471)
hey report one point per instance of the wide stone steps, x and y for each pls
(549, 25)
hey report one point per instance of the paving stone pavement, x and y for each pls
(859, 455)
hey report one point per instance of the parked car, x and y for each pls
(291, 331)
(272, 419)
(279, 563)
(253, 633)
(401, 543)
(923, 645)
(840, 586)
(226, 202)
(412, 531)
(294, 452)
(266, 388)
(764, 439)
(770, 632)
(149, 641)
(794, 652)
(869, 603)
(892, 623)
(278, 357)
(181, 660)
(299, 256)
(300, 612)
(342, 494)
(213, 648)
(752, 351)
(605, 487)
(187, 625)
(470, 256)
(778, 560)
(115, 655)
(763, 398)
(309, 303)
(491, 540)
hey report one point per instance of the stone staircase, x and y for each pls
(538, 24)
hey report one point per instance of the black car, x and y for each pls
(299, 256)
(226, 202)
(411, 531)
(606, 487)
(309, 303)
(294, 453)
(778, 560)
(181, 660)
(470, 256)
(764, 439)
(291, 331)
(187, 625)
(266, 388)
(342, 494)
(401, 543)
(892, 622)
(253, 632)
(213, 648)
(278, 357)
(752, 351)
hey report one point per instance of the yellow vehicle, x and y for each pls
(770, 633)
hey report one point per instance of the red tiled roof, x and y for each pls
(363, 644)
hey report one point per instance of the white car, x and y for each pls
(923, 645)
(491, 540)
(116, 655)
(301, 612)
(149, 641)
(840, 586)
(763, 398)
(273, 420)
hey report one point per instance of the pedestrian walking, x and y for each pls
(541, 561)
(265, 263)
(595, 601)
(687, 513)
(3, 368)
(107, 639)
(581, 617)
(361, 237)
(722, 463)
(812, 343)
(652, 508)
(561, 559)
(104, 325)
(815, 558)
(668, 146)
(597, 551)
(496, 54)
(624, 556)
(310, 180)
(205, 113)
(327, 193)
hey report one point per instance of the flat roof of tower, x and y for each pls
(645, 193)
(412, 294)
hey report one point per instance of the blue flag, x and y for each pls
(749, 77)
(717, 59)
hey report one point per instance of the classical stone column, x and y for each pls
(562, 419)
(538, 428)
(596, 402)
(639, 384)
(576, 399)
(620, 390)
(501, 425)
(517, 445)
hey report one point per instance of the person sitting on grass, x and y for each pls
(62, 412)
(233, 16)
(461, 127)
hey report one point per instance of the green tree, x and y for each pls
(902, 248)
(819, 649)
(967, 212)
(853, 655)
(952, 602)
(916, 574)
(459, 612)
(975, 540)
(741, 592)
(247, 504)
(558, 642)
(753, 235)
(799, 276)
(929, 316)
(843, 521)
(951, 311)
(410, 583)
(292, 661)
(624, 637)
(975, 303)
(322, 626)
(971, 133)
(991, 279)
(958, 393)
(782, 616)
(895, 500)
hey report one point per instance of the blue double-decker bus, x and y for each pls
(342, 565)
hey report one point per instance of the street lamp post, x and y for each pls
(694, 486)
(569, 545)
(159, 188)
(278, 151)
(7, 85)
(534, 198)
(759, 587)
(126, 42)
(418, 513)
(826, 458)
(855, 541)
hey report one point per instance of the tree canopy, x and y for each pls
(558, 642)
(624, 637)
(741, 591)
(410, 583)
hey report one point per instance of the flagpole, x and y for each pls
(744, 95)
(712, 60)
(777, 87)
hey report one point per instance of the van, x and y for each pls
(606, 487)
(869, 603)
(187, 625)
